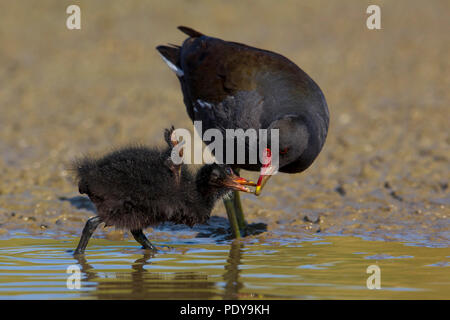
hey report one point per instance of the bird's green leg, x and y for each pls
(231, 213)
(235, 213)
(239, 212)
(238, 209)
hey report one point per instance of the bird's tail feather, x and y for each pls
(170, 55)
(190, 32)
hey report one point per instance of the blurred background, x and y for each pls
(384, 170)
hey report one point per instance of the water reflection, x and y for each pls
(328, 268)
(142, 283)
(231, 275)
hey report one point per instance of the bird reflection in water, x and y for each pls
(142, 283)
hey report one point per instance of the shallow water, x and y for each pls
(317, 268)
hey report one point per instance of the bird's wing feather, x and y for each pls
(239, 111)
(190, 32)
(217, 88)
(170, 55)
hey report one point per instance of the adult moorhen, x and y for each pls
(229, 85)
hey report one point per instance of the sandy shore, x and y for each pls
(383, 173)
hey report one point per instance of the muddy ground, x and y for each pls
(383, 173)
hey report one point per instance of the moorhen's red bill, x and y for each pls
(229, 85)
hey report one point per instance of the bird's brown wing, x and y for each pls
(219, 84)
(211, 70)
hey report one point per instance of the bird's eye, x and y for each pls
(284, 151)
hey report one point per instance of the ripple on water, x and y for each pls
(329, 267)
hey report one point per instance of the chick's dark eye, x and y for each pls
(284, 151)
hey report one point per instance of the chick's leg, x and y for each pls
(140, 237)
(88, 230)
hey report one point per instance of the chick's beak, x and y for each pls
(238, 183)
(244, 181)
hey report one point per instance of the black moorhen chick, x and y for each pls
(137, 187)
(229, 85)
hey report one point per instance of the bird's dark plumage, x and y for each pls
(137, 187)
(133, 189)
(229, 85)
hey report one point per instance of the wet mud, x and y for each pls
(384, 170)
